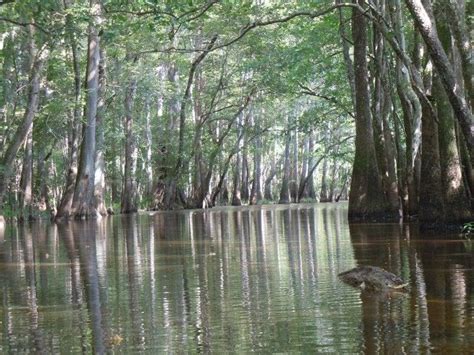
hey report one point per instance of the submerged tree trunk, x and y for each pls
(366, 200)
(83, 204)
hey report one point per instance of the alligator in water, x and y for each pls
(372, 278)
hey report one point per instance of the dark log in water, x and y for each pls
(372, 278)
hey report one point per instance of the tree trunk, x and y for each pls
(455, 193)
(25, 125)
(323, 194)
(129, 192)
(237, 179)
(64, 208)
(381, 109)
(310, 178)
(346, 52)
(302, 190)
(222, 187)
(366, 200)
(444, 68)
(148, 168)
(324, 191)
(9, 97)
(236, 193)
(285, 183)
(431, 192)
(412, 112)
(171, 194)
(256, 195)
(99, 183)
(274, 166)
(244, 187)
(44, 167)
(199, 173)
(332, 185)
(390, 149)
(294, 168)
(267, 185)
(165, 140)
(454, 13)
(83, 204)
(26, 181)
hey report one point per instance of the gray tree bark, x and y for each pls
(83, 204)
(444, 68)
(412, 111)
(366, 200)
(99, 175)
(455, 192)
(129, 191)
(64, 208)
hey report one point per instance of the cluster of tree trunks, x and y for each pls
(432, 180)
(414, 128)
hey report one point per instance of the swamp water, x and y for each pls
(231, 280)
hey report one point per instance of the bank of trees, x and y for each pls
(191, 104)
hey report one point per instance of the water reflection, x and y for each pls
(231, 280)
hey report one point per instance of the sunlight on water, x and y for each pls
(231, 280)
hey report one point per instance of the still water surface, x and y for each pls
(231, 280)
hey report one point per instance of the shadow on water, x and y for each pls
(231, 280)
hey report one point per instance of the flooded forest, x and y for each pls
(188, 176)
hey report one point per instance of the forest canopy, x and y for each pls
(112, 105)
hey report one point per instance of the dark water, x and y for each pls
(231, 281)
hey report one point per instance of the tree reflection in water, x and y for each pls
(230, 280)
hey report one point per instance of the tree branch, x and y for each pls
(308, 91)
(23, 24)
(200, 13)
(187, 93)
